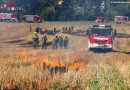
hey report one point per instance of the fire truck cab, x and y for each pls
(101, 37)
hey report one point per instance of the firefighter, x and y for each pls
(40, 30)
(37, 29)
(66, 29)
(54, 31)
(65, 42)
(55, 42)
(63, 29)
(35, 40)
(72, 28)
(30, 28)
(69, 29)
(60, 41)
(45, 30)
(44, 41)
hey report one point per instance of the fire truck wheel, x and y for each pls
(110, 50)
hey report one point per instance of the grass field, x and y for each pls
(21, 68)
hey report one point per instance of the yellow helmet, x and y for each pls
(35, 32)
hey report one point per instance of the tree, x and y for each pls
(73, 9)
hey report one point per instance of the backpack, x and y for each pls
(35, 38)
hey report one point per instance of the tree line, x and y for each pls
(73, 9)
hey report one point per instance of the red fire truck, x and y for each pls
(101, 19)
(8, 17)
(121, 19)
(101, 37)
(32, 18)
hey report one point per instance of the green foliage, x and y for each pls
(56, 86)
(111, 81)
(73, 9)
(110, 14)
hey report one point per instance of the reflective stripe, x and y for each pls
(99, 46)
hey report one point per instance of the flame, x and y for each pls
(54, 61)
(25, 56)
(76, 66)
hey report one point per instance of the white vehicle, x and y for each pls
(32, 18)
(8, 17)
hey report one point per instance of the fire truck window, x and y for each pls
(101, 32)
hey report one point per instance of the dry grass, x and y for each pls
(102, 71)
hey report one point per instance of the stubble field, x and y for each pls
(21, 66)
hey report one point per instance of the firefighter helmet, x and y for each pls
(35, 32)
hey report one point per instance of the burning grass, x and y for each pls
(73, 69)
(28, 70)
(54, 63)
